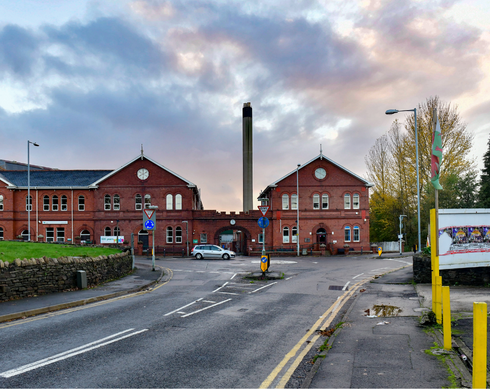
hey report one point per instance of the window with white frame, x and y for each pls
(285, 201)
(324, 201)
(170, 202)
(294, 235)
(204, 238)
(316, 201)
(85, 235)
(64, 203)
(117, 202)
(25, 235)
(49, 234)
(138, 202)
(147, 201)
(285, 235)
(46, 203)
(347, 201)
(55, 204)
(294, 201)
(1, 233)
(178, 201)
(178, 234)
(107, 231)
(347, 234)
(1, 202)
(60, 234)
(261, 238)
(107, 202)
(28, 203)
(357, 234)
(81, 203)
(355, 201)
(170, 235)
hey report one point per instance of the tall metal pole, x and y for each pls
(186, 235)
(418, 184)
(153, 252)
(29, 202)
(297, 207)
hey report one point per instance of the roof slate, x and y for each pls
(54, 178)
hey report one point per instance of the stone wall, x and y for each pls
(30, 277)
(476, 276)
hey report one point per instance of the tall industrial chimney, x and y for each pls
(247, 158)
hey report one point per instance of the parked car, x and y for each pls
(211, 251)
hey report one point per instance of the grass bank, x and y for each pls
(9, 251)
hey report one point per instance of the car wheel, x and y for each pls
(198, 256)
(226, 256)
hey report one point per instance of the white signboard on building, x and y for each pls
(111, 239)
(464, 238)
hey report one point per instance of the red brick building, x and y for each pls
(101, 205)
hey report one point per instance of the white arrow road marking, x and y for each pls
(345, 286)
(69, 353)
(185, 306)
(203, 309)
(256, 290)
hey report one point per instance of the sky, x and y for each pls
(91, 81)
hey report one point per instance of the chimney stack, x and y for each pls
(247, 158)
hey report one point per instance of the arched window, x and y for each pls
(1, 233)
(294, 201)
(178, 234)
(1, 202)
(138, 202)
(170, 202)
(347, 234)
(55, 203)
(294, 235)
(178, 202)
(64, 203)
(347, 201)
(316, 201)
(85, 235)
(147, 201)
(170, 235)
(107, 202)
(117, 202)
(324, 201)
(355, 201)
(357, 234)
(29, 203)
(107, 231)
(285, 235)
(285, 201)
(81, 203)
(25, 235)
(46, 203)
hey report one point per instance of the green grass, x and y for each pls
(9, 251)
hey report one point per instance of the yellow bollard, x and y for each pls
(446, 318)
(479, 345)
(438, 311)
(433, 254)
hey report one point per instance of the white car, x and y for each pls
(211, 251)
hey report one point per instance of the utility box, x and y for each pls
(81, 279)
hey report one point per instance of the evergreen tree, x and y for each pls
(484, 194)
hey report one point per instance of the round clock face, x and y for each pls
(143, 174)
(320, 173)
(232, 222)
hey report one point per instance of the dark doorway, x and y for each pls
(143, 237)
(321, 238)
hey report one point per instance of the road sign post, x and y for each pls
(149, 224)
(263, 223)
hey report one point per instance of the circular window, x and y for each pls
(143, 174)
(320, 173)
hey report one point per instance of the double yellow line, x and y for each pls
(307, 343)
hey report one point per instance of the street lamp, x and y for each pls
(297, 207)
(29, 201)
(186, 235)
(391, 112)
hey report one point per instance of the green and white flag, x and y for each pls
(436, 156)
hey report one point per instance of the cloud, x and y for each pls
(18, 50)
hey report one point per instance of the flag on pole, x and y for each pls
(436, 156)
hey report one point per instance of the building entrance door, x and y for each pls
(321, 238)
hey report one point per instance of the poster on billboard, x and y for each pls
(111, 239)
(464, 238)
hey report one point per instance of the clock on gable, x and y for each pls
(320, 173)
(143, 174)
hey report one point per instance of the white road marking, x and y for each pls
(345, 286)
(236, 294)
(397, 260)
(203, 309)
(256, 290)
(233, 276)
(69, 353)
(289, 278)
(357, 276)
(276, 262)
(207, 301)
(185, 306)
(221, 287)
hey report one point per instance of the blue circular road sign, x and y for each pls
(263, 222)
(149, 225)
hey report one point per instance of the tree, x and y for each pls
(484, 193)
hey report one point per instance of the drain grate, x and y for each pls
(335, 287)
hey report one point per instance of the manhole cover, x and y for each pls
(335, 287)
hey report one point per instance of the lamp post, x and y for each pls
(186, 235)
(29, 202)
(391, 112)
(297, 207)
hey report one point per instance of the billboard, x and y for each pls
(464, 238)
(111, 239)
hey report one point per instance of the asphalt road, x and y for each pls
(206, 327)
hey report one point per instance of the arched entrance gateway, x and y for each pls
(233, 238)
(321, 237)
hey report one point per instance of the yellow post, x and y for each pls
(446, 317)
(433, 254)
(438, 310)
(479, 345)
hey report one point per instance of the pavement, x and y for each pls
(366, 350)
